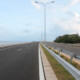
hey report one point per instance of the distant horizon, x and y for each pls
(23, 20)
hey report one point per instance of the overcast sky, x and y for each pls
(23, 20)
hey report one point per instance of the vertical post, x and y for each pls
(45, 22)
(59, 53)
(72, 56)
(44, 4)
(41, 35)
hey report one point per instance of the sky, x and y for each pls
(23, 20)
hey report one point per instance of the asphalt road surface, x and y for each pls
(19, 62)
(66, 47)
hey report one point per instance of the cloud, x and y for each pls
(72, 3)
(77, 16)
(52, 10)
(35, 4)
(1, 27)
(44, 1)
(72, 24)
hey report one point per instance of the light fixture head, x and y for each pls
(52, 2)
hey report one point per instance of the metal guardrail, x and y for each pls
(62, 50)
(75, 72)
(78, 57)
(67, 52)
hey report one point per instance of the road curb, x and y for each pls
(49, 73)
(41, 69)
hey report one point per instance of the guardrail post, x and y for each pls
(59, 53)
(61, 50)
(72, 56)
(75, 55)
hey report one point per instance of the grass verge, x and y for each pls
(68, 60)
(60, 71)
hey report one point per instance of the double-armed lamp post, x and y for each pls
(44, 4)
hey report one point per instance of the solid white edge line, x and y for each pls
(41, 73)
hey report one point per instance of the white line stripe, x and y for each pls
(1, 49)
(6, 48)
(19, 50)
(41, 73)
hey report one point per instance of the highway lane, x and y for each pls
(19, 62)
(66, 47)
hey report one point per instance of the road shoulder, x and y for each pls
(49, 73)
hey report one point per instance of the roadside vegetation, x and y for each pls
(67, 59)
(73, 38)
(60, 71)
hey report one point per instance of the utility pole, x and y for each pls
(44, 4)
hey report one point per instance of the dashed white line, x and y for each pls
(19, 50)
(1, 49)
(7, 48)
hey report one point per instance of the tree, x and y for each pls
(73, 38)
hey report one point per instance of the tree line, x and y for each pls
(68, 38)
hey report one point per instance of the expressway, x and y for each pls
(67, 48)
(19, 62)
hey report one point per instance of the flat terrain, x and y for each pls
(67, 47)
(19, 62)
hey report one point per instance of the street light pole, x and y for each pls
(44, 4)
(45, 22)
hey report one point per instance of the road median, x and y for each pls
(48, 71)
(60, 71)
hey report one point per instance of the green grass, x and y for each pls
(60, 71)
(68, 60)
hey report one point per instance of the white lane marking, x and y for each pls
(19, 50)
(41, 73)
(8, 48)
(1, 49)
(4, 48)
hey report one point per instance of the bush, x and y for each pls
(73, 38)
